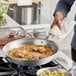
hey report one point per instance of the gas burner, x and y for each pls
(10, 69)
(32, 70)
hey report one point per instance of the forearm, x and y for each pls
(64, 6)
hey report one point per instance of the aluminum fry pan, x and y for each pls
(29, 41)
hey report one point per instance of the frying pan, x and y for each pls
(29, 41)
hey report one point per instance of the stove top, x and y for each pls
(10, 69)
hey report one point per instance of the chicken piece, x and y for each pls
(35, 49)
(41, 49)
(35, 55)
(20, 54)
(30, 57)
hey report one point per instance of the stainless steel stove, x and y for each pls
(10, 69)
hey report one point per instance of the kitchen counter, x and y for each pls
(15, 1)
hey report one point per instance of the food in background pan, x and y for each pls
(12, 34)
(31, 52)
(53, 73)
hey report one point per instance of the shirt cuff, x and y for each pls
(62, 7)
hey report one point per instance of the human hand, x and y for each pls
(58, 20)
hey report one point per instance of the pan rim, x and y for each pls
(29, 59)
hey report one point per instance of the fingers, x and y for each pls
(53, 24)
(57, 22)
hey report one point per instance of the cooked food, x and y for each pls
(12, 34)
(31, 52)
(52, 73)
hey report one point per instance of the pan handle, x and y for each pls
(47, 37)
(8, 60)
(64, 60)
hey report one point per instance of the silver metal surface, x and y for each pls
(30, 41)
(7, 73)
(24, 15)
(53, 69)
(41, 33)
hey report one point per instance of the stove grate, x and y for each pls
(10, 69)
